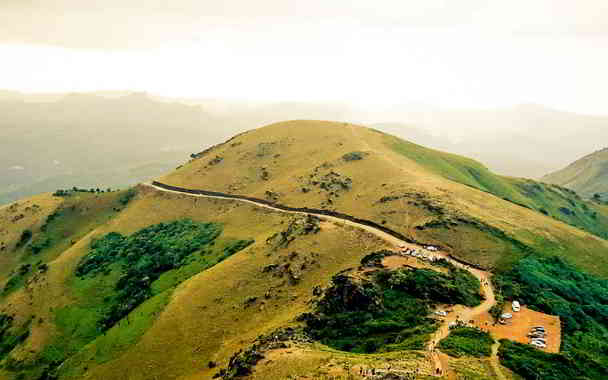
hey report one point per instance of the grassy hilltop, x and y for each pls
(429, 195)
(141, 284)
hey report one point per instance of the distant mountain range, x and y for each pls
(116, 138)
(93, 141)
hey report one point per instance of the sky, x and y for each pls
(456, 54)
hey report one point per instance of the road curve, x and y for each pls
(443, 331)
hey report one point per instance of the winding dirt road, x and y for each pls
(462, 313)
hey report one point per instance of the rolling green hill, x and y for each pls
(588, 176)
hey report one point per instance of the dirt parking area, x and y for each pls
(518, 327)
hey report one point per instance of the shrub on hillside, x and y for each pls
(467, 341)
(353, 156)
(26, 235)
(127, 196)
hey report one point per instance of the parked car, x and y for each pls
(441, 313)
(506, 316)
(541, 340)
(516, 306)
(538, 344)
(536, 335)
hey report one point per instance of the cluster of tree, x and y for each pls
(68, 192)
(143, 256)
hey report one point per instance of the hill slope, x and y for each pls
(147, 284)
(587, 176)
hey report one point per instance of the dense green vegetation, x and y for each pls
(456, 287)
(467, 341)
(551, 200)
(555, 287)
(143, 256)
(389, 313)
(536, 364)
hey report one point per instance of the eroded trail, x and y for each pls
(463, 313)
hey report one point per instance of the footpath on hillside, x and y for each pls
(465, 314)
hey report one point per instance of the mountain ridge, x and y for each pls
(587, 175)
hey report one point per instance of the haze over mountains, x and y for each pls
(113, 139)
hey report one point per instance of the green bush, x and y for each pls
(467, 341)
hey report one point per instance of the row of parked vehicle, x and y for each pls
(538, 337)
(418, 253)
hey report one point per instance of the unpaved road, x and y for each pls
(465, 314)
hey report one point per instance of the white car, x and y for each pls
(540, 340)
(506, 316)
(441, 313)
(538, 344)
(516, 306)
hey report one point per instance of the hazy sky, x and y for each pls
(452, 53)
